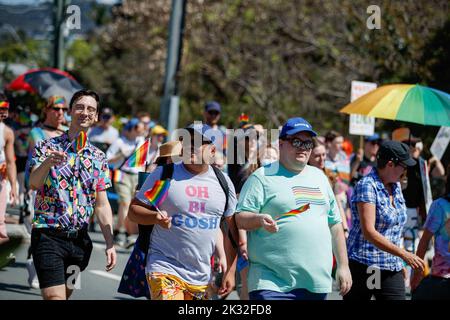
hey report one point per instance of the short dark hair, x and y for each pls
(331, 135)
(3, 97)
(82, 93)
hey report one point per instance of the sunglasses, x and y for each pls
(213, 113)
(299, 144)
(57, 109)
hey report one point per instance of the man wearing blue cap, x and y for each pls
(294, 223)
(363, 162)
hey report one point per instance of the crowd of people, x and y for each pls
(283, 216)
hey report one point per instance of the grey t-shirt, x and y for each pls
(196, 204)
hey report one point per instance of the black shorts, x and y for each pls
(52, 256)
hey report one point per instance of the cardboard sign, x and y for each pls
(359, 124)
(440, 143)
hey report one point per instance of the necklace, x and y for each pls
(51, 128)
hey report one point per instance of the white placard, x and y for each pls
(440, 143)
(359, 124)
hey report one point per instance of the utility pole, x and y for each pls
(169, 108)
(58, 33)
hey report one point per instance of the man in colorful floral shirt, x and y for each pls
(71, 179)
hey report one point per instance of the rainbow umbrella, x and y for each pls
(404, 102)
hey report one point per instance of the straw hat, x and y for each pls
(172, 148)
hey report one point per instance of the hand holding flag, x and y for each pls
(157, 195)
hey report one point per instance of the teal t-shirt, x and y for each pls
(299, 255)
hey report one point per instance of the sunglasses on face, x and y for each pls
(58, 108)
(213, 113)
(299, 144)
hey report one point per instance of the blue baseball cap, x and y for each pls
(131, 124)
(296, 125)
(374, 137)
(202, 129)
(212, 106)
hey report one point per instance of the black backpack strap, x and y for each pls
(146, 230)
(226, 189)
(223, 183)
(167, 172)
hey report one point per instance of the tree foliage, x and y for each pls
(270, 58)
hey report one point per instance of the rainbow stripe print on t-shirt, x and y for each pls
(309, 195)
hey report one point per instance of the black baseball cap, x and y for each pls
(396, 151)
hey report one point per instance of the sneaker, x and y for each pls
(32, 276)
(11, 259)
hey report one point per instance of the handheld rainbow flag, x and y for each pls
(294, 212)
(117, 175)
(139, 156)
(81, 141)
(158, 193)
(243, 118)
(4, 104)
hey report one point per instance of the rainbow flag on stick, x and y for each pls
(139, 156)
(293, 212)
(158, 193)
(243, 118)
(79, 142)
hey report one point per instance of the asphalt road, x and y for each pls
(95, 282)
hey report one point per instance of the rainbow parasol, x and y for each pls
(404, 102)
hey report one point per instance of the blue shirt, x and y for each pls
(389, 222)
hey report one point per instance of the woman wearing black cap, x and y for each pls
(379, 214)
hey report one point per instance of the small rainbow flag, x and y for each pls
(80, 143)
(117, 175)
(158, 193)
(4, 104)
(243, 118)
(139, 156)
(294, 212)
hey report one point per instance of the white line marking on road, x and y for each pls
(106, 274)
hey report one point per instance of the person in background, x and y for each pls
(104, 134)
(21, 125)
(211, 116)
(146, 119)
(317, 159)
(363, 162)
(379, 214)
(125, 187)
(8, 171)
(157, 136)
(51, 127)
(437, 284)
(338, 163)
